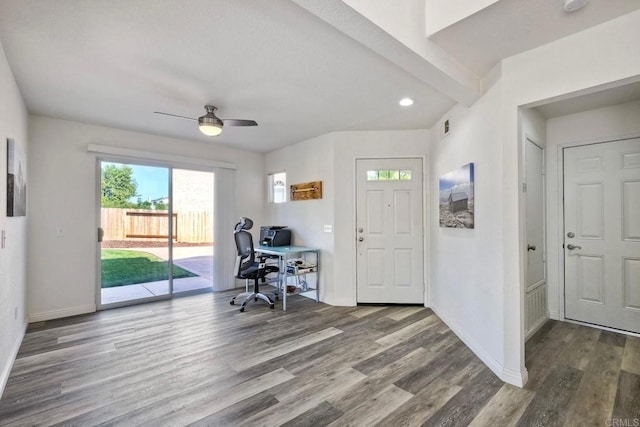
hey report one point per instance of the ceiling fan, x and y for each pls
(210, 124)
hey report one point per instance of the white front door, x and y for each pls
(389, 231)
(602, 234)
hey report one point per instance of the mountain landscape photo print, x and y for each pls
(16, 180)
(456, 198)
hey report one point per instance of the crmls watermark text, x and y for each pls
(623, 422)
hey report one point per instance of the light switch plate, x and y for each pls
(328, 228)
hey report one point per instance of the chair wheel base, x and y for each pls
(241, 309)
(232, 302)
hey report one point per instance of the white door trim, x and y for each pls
(560, 216)
(425, 218)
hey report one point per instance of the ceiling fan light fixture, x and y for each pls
(210, 125)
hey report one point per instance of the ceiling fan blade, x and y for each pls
(239, 122)
(175, 115)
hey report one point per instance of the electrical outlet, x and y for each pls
(328, 228)
(59, 232)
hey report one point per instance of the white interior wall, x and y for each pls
(310, 160)
(603, 55)
(331, 158)
(348, 147)
(13, 257)
(62, 279)
(600, 124)
(466, 264)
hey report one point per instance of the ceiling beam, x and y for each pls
(424, 60)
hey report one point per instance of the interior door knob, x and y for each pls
(531, 247)
(360, 239)
(572, 247)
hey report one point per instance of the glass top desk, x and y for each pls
(310, 265)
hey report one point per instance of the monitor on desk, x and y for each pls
(275, 235)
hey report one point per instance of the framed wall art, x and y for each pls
(456, 198)
(16, 180)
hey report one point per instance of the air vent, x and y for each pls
(446, 127)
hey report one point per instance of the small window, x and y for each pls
(389, 175)
(278, 187)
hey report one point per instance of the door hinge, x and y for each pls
(524, 187)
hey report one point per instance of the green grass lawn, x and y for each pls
(121, 267)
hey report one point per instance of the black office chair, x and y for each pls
(246, 266)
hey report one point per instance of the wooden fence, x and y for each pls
(141, 224)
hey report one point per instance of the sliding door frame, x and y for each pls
(222, 261)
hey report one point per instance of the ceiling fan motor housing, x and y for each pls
(210, 124)
(209, 119)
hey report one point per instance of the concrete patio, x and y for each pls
(195, 259)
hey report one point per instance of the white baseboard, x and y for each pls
(518, 379)
(512, 377)
(8, 365)
(340, 302)
(536, 327)
(65, 312)
(554, 315)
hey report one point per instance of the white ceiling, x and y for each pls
(604, 98)
(298, 75)
(116, 62)
(508, 27)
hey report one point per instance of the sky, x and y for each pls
(459, 176)
(153, 182)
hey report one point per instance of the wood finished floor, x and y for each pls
(198, 361)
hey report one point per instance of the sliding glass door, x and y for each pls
(193, 246)
(156, 232)
(136, 230)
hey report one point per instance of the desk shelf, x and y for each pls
(295, 271)
(294, 262)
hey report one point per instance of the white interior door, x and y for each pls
(536, 282)
(602, 234)
(389, 230)
(535, 216)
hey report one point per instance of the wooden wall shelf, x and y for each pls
(306, 191)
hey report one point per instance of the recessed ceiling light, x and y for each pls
(405, 102)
